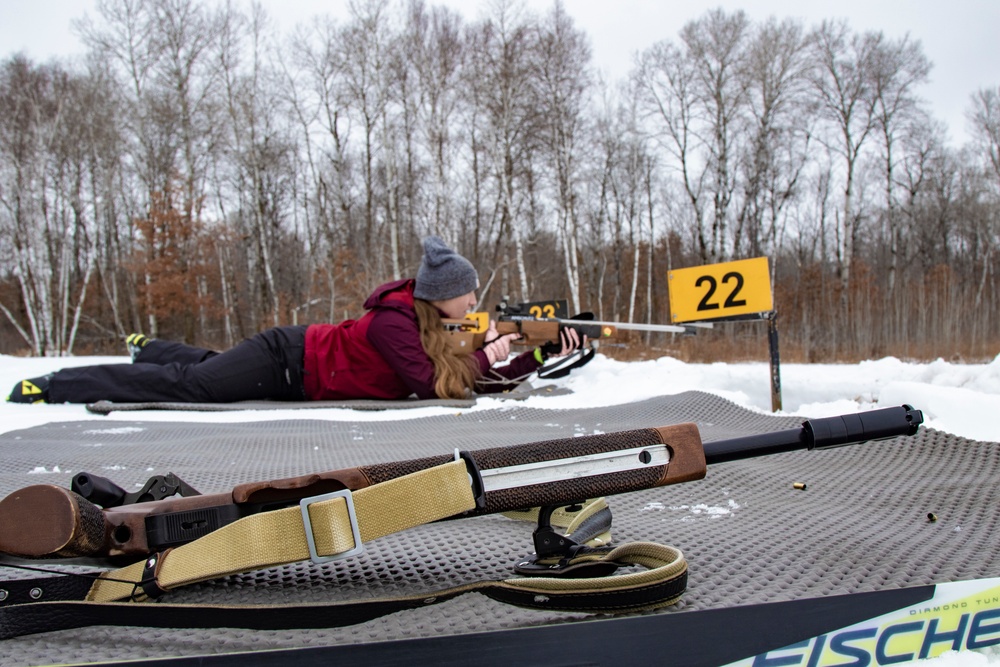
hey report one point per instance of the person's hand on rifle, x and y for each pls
(569, 340)
(497, 347)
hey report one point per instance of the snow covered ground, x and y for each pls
(963, 399)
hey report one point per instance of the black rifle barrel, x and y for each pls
(821, 433)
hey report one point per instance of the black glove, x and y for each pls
(549, 349)
(553, 348)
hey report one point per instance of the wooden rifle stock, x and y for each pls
(540, 331)
(539, 323)
(50, 521)
(47, 520)
(533, 332)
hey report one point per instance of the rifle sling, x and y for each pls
(282, 536)
(563, 366)
(274, 538)
(661, 585)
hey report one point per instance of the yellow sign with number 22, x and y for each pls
(722, 290)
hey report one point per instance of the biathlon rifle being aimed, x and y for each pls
(49, 521)
(540, 322)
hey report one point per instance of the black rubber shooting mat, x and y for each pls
(523, 391)
(861, 524)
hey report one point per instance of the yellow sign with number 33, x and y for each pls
(717, 291)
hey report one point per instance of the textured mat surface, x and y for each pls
(860, 525)
(522, 392)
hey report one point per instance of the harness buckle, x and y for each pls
(314, 556)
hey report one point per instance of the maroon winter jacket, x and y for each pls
(380, 355)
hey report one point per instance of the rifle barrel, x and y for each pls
(632, 326)
(665, 328)
(824, 433)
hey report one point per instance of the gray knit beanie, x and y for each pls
(443, 273)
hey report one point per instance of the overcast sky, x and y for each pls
(960, 37)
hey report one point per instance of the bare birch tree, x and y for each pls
(435, 48)
(259, 149)
(364, 57)
(716, 45)
(666, 79)
(843, 84)
(984, 121)
(779, 128)
(564, 82)
(505, 87)
(899, 68)
(47, 211)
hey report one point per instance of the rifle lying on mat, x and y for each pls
(329, 516)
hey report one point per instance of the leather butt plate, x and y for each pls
(45, 520)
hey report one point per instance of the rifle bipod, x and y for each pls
(577, 550)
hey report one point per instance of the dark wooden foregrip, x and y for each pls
(687, 462)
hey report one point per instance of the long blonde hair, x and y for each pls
(454, 372)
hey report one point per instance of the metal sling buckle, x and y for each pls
(304, 504)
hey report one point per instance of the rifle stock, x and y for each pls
(50, 521)
(540, 331)
(532, 331)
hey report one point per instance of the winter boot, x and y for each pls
(35, 390)
(135, 342)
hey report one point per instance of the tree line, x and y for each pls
(196, 175)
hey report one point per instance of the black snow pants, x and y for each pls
(267, 366)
